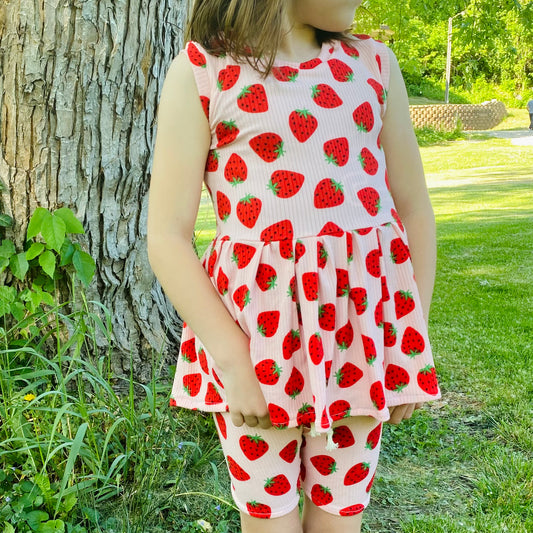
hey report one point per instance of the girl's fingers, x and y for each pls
(264, 421)
(237, 419)
(250, 420)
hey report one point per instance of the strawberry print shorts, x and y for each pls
(269, 467)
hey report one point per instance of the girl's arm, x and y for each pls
(408, 185)
(410, 194)
(182, 144)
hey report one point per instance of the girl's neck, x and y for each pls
(299, 42)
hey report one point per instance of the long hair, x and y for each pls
(246, 30)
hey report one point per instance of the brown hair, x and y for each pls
(247, 30)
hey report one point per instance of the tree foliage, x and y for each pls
(491, 39)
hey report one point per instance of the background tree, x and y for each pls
(79, 88)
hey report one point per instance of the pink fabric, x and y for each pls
(310, 257)
(267, 467)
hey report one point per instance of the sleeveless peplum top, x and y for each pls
(310, 256)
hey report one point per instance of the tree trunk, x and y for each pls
(79, 88)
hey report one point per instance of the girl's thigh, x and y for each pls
(339, 481)
(264, 467)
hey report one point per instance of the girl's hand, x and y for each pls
(246, 402)
(402, 412)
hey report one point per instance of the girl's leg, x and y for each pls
(337, 483)
(264, 466)
(285, 524)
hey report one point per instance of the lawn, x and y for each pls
(465, 463)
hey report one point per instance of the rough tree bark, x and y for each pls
(79, 87)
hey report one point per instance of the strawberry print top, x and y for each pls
(310, 256)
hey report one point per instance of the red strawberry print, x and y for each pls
(278, 231)
(188, 350)
(344, 336)
(330, 228)
(217, 379)
(267, 372)
(363, 117)
(384, 289)
(321, 495)
(221, 423)
(253, 446)
(227, 77)
(291, 343)
(343, 437)
(350, 50)
(325, 96)
(378, 314)
(222, 282)
(328, 193)
(412, 342)
(236, 170)
(370, 483)
(340, 70)
(325, 464)
(211, 164)
(396, 217)
(268, 146)
(337, 151)
(212, 396)
(310, 286)
(258, 510)
(368, 162)
(288, 454)
(202, 358)
(248, 210)
(322, 255)
(326, 317)
(343, 285)
(339, 409)
(427, 380)
(399, 251)
(389, 334)
(378, 61)
(295, 384)
(285, 73)
(291, 291)
(267, 323)
(277, 485)
(396, 378)
(241, 296)
(357, 473)
(311, 64)
(303, 124)
(278, 416)
(381, 93)
(211, 262)
(223, 206)
(237, 471)
(352, 510)
(349, 246)
(327, 370)
(285, 246)
(285, 183)
(192, 384)
(370, 199)
(348, 375)
(266, 277)
(299, 250)
(369, 348)
(372, 262)
(373, 437)
(306, 415)
(206, 104)
(226, 132)
(316, 349)
(253, 99)
(242, 254)
(359, 297)
(195, 56)
(403, 303)
(377, 395)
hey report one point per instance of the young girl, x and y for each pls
(305, 329)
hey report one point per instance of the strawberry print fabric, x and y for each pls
(267, 467)
(310, 257)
